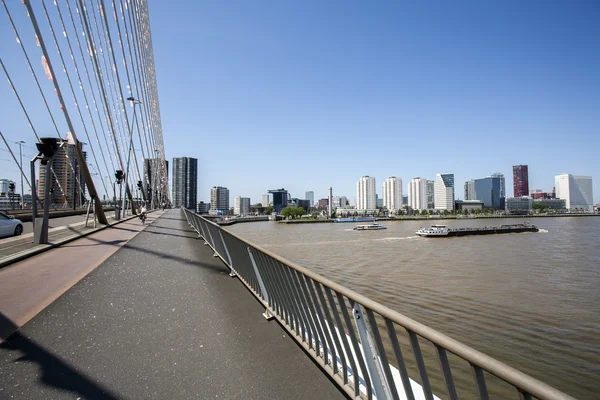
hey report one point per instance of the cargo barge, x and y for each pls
(444, 231)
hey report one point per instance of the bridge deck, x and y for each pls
(160, 318)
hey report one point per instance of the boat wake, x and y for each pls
(390, 239)
(543, 231)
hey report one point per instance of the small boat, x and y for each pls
(372, 227)
(435, 230)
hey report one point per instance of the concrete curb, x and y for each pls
(6, 261)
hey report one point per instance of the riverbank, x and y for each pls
(441, 217)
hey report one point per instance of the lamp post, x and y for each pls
(47, 147)
(21, 143)
(133, 103)
(157, 180)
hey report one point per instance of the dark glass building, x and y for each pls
(185, 182)
(520, 180)
(488, 190)
(280, 199)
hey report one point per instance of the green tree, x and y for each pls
(257, 205)
(424, 212)
(292, 211)
(268, 210)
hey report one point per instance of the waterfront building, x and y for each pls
(203, 208)
(365, 193)
(68, 183)
(185, 182)
(405, 200)
(539, 194)
(468, 205)
(310, 196)
(519, 205)
(281, 199)
(323, 203)
(378, 201)
(340, 202)
(304, 203)
(502, 183)
(430, 194)
(156, 174)
(552, 204)
(488, 190)
(219, 200)
(417, 194)
(470, 190)
(444, 192)
(265, 200)
(520, 181)
(241, 206)
(392, 193)
(575, 190)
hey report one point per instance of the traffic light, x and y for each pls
(139, 185)
(11, 187)
(119, 176)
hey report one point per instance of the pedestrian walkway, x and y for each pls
(160, 318)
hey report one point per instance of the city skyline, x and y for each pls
(462, 94)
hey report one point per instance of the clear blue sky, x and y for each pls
(311, 94)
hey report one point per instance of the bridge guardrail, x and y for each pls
(358, 341)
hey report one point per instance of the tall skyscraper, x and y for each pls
(470, 190)
(502, 183)
(392, 193)
(241, 205)
(185, 182)
(520, 181)
(68, 185)
(365, 193)
(430, 194)
(310, 196)
(444, 192)
(417, 194)
(265, 200)
(155, 177)
(219, 199)
(488, 191)
(575, 190)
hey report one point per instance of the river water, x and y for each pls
(531, 300)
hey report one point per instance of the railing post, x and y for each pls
(380, 384)
(265, 295)
(232, 272)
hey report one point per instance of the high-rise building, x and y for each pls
(520, 181)
(444, 192)
(310, 196)
(203, 208)
(502, 183)
(280, 199)
(430, 194)
(265, 200)
(366, 198)
(470, 190)
(68, 184)
(185, 182)
(575, 190)
(156, 175)
(392, 194)
(417, 193)
(488, 191)
(241, 206)
(219, 200)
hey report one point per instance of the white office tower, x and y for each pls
(365, 194)
(310, 196)
(392, 193)
(265, 200)
(241, 206)
(575, 190)
(444, 192)
(417, 194)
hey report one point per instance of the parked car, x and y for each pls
(10, 226)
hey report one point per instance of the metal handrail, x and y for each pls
(303, 303)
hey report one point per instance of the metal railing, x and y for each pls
(358, 341)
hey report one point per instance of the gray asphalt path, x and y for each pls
(159, 319)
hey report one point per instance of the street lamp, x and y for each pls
(133, 103)
(21, 143)
(47, 147)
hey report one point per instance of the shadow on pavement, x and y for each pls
(54, 372)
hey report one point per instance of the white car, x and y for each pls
(10, 226)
